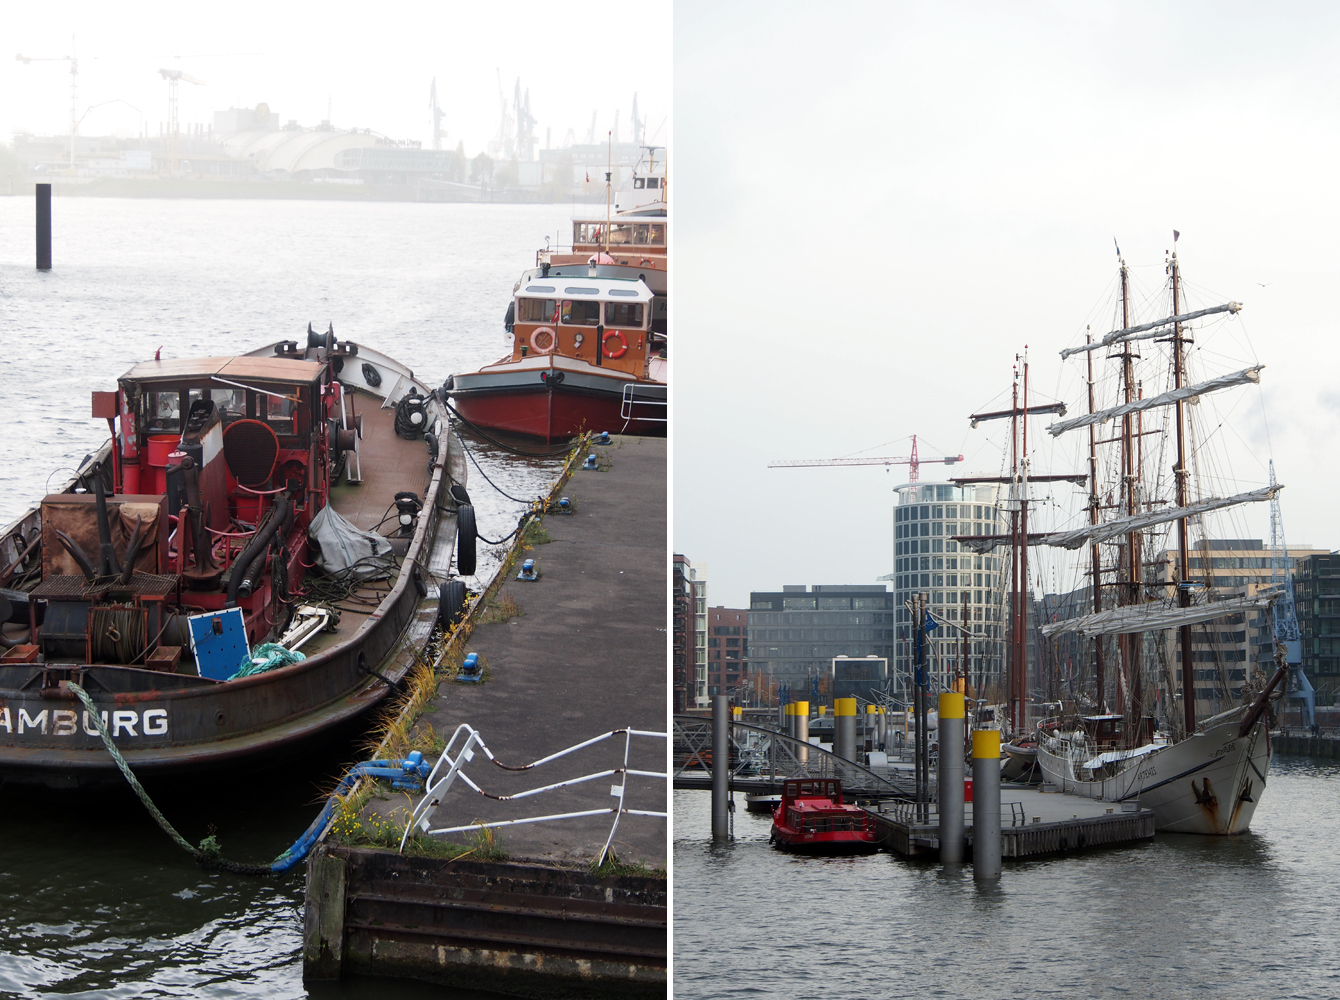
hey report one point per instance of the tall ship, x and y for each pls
(588, 329)
(1151, 484)
(235, 573)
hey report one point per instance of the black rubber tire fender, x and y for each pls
(451, 603)
(465, 539)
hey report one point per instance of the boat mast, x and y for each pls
(1097, 559)
(1130, 593)
(1018, 666)
(1183, 561)
(1011, 692)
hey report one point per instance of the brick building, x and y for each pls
(727, 650)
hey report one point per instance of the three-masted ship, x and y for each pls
(1197, 775)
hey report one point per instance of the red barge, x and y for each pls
(813, 819)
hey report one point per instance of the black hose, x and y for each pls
(258, 545)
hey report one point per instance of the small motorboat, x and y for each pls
(813, 819)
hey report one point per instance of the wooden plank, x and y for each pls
(323, 921)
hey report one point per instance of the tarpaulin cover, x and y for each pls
(346, 550)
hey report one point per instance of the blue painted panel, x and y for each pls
(219, 649)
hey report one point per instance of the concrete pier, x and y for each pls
(578, 653)
(1032, 822)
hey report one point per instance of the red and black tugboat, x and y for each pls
(813, 819)
(240, 501)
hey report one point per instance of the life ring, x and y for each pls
(544, 340)
(623, 341)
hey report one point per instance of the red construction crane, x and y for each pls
(912, 462)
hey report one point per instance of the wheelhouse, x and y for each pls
(608, 322)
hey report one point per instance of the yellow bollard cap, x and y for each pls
(951, 706)
(985, 744)
(790, 708)
(881, 710)
(869, 709)
(823, 709)
(802, 707)
(844, 706)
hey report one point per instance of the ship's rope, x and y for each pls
(207, 854)
(553, 452)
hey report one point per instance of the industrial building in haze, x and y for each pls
(255, 152)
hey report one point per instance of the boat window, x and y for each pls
(588, 232)
(581, 313)
(539, 288)
(577, 290)
(639, 183)
(231, 403)
(537, 311)
(162, 412)
(623, 291)
(624, 314)
(656, 235)
(653, 182)
(621, 233)
(281, 412)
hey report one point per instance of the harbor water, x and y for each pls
(95, 901)
(1248, 917)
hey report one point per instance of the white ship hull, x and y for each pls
(1209, 783)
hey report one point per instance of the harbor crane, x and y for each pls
(438, 133)
(173, 78)
(912, 462)
(74, 88)
(1285, 616)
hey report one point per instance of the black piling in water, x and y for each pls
(44, 227)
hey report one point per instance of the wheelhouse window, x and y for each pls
(162, 412)
(625, 314)
(281, 409)
(230, 402)
(578, 313)
(536, 310)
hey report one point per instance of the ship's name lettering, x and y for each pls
(68, 722)
(1226, 748)
(1147, 773)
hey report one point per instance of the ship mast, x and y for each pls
(1130, 592)
(1183, 560)
(1018, 666)
(1101, 707)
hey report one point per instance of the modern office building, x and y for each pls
(962, 589)
(1317, 598)
(689, 637)
(1222, 650)
(795, 633)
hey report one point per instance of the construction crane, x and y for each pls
(74, 87)
(1285, 615)
(501, 147)
(438, 133)
(173, 78)
(913, 462)
(591, 132)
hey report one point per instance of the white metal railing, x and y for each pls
(440, 782)
(631, 399)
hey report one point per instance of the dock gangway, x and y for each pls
(761, 759)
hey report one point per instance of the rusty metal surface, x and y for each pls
(547, 931)
(207, 724)
(77, 588)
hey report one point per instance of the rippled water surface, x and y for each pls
(94, 900)
(1254, 916)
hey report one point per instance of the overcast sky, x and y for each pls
(372, 64)
(878, 206)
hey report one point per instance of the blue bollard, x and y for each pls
(528, 571)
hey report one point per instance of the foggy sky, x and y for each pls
(373, 64)
(879, 206)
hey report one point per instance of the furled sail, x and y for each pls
(1157, 329)
(1091, 533)
(1155, 616)
(1252, 374)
